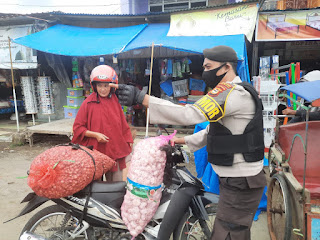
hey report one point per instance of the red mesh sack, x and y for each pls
(107, 162)
(64, 170)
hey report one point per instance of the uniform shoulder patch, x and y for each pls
(221, 87)
(212, 105)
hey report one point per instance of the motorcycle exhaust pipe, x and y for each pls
(31, 236)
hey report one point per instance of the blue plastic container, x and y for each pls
(75, 92)
(75, 101)
(70, 112)
(167, 87)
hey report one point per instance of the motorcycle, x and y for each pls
(186, 211)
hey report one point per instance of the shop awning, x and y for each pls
(157, 33)
(80, 41)
(309, 91)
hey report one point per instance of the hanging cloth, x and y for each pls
(169, 67)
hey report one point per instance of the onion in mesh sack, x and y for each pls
(63, 170)
(144, 183)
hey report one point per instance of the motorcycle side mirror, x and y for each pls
(162, 127)
(159, 132)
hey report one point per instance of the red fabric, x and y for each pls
(105, 117)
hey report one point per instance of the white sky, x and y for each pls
(68, 6)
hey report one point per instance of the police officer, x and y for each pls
(234, 137)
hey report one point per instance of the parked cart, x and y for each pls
(293, 208)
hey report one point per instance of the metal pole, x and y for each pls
(255, 59)
(305, 154)
(13, 88)
(150, 83)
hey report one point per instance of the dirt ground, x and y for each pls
(14, 163)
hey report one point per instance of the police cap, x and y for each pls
(221, 54)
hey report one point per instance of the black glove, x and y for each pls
(129, 95)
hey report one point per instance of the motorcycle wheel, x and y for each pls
(189, 227)
(54, 222)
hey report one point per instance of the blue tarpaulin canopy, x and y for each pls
(80, 41)
(309, 91)
(157, 33)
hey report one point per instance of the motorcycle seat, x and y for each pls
(105, 187)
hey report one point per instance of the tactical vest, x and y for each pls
(222, 145)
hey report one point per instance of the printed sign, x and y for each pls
(289, 25)
(22, 57)
(217, 22)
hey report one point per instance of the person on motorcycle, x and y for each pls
(101, 123)
(234, 137)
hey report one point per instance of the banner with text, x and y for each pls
(217, 22)
(22, 57)
(289, 25)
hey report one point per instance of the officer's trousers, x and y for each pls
(239, 200)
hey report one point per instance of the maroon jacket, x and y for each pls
(104, 115)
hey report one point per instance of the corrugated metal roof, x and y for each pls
(159, 13)
(14, 15)
(8, 15)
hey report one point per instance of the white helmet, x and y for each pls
(311, 76)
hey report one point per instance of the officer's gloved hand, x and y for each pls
(129, 95)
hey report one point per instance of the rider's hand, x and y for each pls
(129, 95)
(289, 111)
(101, 138)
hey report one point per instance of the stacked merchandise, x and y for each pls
(45, 95)
(267, 89)
(197, 86)
(75, 95)
(77, 81)
(180, 88)
(176, 84)
(75, 99)
(183, 100)
(128, 113)
(29, 93)
(193, 98)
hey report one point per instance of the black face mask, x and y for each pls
(210, 77)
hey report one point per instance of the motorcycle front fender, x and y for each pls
(34, 201)
(209, 198)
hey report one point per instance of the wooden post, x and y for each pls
(13, 88)
(149, 92)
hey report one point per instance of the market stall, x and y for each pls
(177, 60)
(15, 61)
